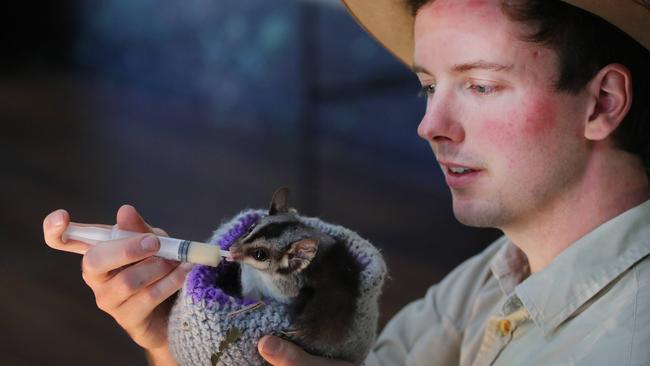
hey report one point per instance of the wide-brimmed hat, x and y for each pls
(391, 21)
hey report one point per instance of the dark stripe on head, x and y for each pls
(270, 231)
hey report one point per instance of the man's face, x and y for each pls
(495, 110)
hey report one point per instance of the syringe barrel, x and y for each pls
(170, 248)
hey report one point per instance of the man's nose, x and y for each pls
(440, 122)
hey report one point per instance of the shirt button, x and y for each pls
(505, 326)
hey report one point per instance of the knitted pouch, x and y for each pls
(207, 326)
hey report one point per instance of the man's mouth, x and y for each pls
(458, 176)
(459, 170)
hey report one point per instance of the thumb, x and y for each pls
(279, 352)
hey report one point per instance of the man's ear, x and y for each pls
(611, 94)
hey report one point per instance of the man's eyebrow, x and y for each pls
(417, 68)
(459, 68)
(481, 65)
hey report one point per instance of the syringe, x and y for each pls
(170, 248)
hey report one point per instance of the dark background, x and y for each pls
(192, 111)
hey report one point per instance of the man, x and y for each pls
(537, 114)
(532, 117)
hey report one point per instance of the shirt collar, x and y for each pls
(510, 267)
(579, 272)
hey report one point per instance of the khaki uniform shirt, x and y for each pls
(589, 306)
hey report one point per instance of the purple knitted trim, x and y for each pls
(239, 229)
(201, 280)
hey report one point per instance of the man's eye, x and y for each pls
(427, 90)
(260, 255)
(483, 89)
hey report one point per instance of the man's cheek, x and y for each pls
(539, 117)
(502, 141)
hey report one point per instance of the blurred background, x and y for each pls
(192, 111)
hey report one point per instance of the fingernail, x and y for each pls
(149, 243)
(56, 218)
(271, 345)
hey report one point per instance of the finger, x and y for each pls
(118, 289)
(279, 352)
(143, 303)
(54, 225)
(160, 232)
(129, 219)
(107, 256)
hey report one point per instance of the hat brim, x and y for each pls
(390, 22)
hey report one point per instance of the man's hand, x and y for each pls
(279, 352)
(129, 283)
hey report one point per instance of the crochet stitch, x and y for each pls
(207, 325)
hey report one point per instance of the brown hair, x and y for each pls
(585, 43)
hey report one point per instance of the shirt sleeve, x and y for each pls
(429, 331)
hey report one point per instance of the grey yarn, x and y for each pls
(196, 329)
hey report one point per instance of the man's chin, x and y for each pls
(477, 214)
